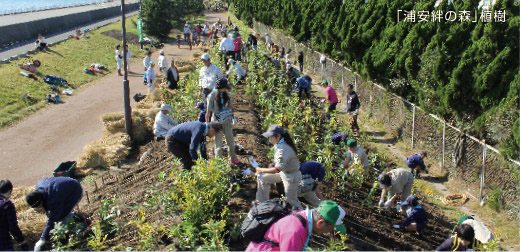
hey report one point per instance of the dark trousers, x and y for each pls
(228, 53)
(301, 67)
(181, 151)
(353, 123)
(238, 55)
(172, 84)
(301, 91)
(332, 108)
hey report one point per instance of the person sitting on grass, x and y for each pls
(184, 139)
(355, 155)
(293, 232)
(163, 122)
(417, 162)
(417, 218)
(57, 197)
(8, 220)
(395, 182)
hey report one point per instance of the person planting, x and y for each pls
(417, 162)
(286, 168)
(56, 197)
(417, 217)
(313, 174)
(237, 69)
(184, 139)
(355, 155)
(163, 122)
(395, 182)
(8, 220)
(220, 108)
(331, 97)
(293, 232)
(463, 240)
(303, 85)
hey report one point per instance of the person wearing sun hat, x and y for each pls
(290, 234)
(417, 218)
(208, 76)
(286, 167)
(163, 122)
(355, 155)
(395, 182)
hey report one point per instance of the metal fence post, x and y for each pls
(413, 125)
(443, 144)
(483, 172)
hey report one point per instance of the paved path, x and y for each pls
(33, 148)
(25, 46)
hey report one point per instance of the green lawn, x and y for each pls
(67, 60)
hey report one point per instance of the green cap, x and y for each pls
(463, 218)
(324, 82)
(352, 142)
(333, 213)
(234, 36)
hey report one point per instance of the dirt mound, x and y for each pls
(130, 37)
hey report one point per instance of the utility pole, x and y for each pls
(141, 17)
(126, 85)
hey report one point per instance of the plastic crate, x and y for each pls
(65, 169)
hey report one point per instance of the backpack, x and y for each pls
(53, 79)
(264, 215)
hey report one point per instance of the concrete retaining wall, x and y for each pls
(30, 30)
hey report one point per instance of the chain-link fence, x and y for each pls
(464, 156)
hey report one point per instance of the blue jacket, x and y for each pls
(416, 215)
(190, 133)
(414, 161)
(313, 168)
(352, 102)
(303, 82)
(60, 196)
(202, 116)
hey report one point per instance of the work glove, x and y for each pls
(388, 203)
(253, 162)
(396, 226)
(381, 203)
(24, 247)
(38, 245)
(398, 207)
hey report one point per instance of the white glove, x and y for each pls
(388, 203)
(246, 172)
(39, 245)
(381, 203)
(396, 226)
(253, 162)
(398, 207)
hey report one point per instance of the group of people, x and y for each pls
(56, 197)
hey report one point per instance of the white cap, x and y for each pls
(161, 52)
(205, 57)
(166, 107)
(231, 62)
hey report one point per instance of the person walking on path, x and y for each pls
(8, 220)
(355, 155)
(57, 197)
(293, 232)
(300, 60)
(353, 105)
(417, 218)
(416, 162)
(184, 139)
(119, 58)
(146, 63)
(286, 167)
(163, 122)
(313, 174)
(395, 182)
(128, 58)
(208, 76)
(220, 108)
(150, 77)
(331, 97)
(162, 62)
(187, 32)
(172, 76)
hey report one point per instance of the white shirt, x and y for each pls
(128, 55)
(208, 76)
(150, 76)
(227, 45)
(43, 41)
(162, 124)
(287, 58)
(118, 55)
(238, 70)
(162, 62)
(186, 29)
(146, 61)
